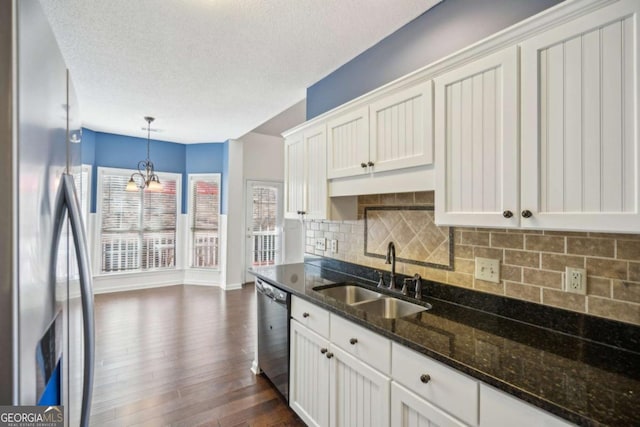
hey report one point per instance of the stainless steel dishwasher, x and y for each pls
(273, 334)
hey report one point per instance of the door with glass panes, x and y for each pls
(263, 223)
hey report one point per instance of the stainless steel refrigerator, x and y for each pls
(46, 316)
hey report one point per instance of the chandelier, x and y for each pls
(146, 176)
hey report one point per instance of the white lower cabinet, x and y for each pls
(498, 409)
(344, 375)
(329, 387)
(358, 394)
(309, 375)
(410, 410)
(436, 385)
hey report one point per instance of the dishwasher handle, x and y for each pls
(277, 295)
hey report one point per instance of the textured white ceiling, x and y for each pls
(210, 70)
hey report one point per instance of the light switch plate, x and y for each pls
(488, 269)
(321, 244)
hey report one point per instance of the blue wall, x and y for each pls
(101, 149)
(445, 29)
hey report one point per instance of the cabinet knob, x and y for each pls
(305, 314)
(323, 350)
(370, 163)
(425, 378)
(353, 341)
(363, 165)
(329, 355)
(507, 214)
(526, 213)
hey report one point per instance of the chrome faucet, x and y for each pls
(391, 259)
(417, 280)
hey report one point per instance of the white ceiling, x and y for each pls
(210, 70)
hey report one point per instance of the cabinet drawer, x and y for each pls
(310, 315)
(364, 344)
(447, 388)
(498, 409)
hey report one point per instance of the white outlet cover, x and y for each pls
(334, 246)
(575, 280)
(488, 269)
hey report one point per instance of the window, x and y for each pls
(204, 212)
(138, 229)
(265, 225)
(66, 253)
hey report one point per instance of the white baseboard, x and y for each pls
(255, 368)
(146, 280)
(202, 277)
(232, 286)
(134, 281)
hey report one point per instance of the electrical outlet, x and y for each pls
(488, 269)
(334, 246)
(321, 244)
(575, 280)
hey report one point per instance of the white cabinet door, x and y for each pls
(409, 410)
(294, 154)
(498, 409)
(316, 201)
(359, 395)
(580, 147)
(476, 141)
(401, 126)
(348, 144)
(309, 376)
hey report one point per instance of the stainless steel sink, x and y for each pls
(350, 294)
(372, 302)
(391, 308)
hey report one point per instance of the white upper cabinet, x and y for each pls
(393, 132)
(305, 159)
(316, 202)
(401, 129)
(580, 149)
(348, 144)
(294, 173)
(306, 174)
(476, 140)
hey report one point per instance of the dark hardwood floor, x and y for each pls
(181, 356)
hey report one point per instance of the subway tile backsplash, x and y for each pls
(532, 261)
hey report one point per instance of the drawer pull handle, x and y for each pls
(526, 213)
(507, 214)
(323, 350)
(425, 378)
(353, 341)
(305, 315)
(370, 163)
(329, 355)
(363, 165)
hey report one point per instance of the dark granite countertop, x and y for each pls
(571, 375)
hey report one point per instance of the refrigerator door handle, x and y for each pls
(67, 198)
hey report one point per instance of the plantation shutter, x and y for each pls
(159, 226)
(205, 214)
(121, 224)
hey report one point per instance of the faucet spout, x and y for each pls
(391, 259)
